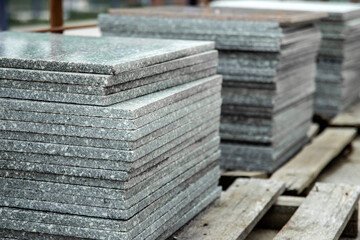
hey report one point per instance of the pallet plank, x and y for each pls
(238, 211)
(283, 209)
(324, 213)
(313, 131)
(349, 118)
(302, 170)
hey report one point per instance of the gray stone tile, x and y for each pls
(130, 109)
(103, 138)
(108, 99)
(191, 210)
(90, 54)
(30, 115)
(103, 82)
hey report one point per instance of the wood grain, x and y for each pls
(283, 209)
(237, 212)
(324, 213)
(303, 169)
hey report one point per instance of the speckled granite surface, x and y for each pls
(339, 53)
(268, 67)
(131, 109)
(106, 138)
(53, 52)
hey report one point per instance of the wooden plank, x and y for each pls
(349, 118)
(237, 212)
(344, 170)
(324, 213)
(244, 174)
(302, 170)
(283, 209)
(313, 130)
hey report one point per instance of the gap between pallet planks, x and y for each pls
(238, 211)
(323, 214)
(303, 169)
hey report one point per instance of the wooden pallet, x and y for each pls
(349, 118)
(240, 208)
(304, 168)
(288, 213)
(325, 213)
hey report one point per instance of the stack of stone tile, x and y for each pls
(268, 63)
(90, 148)
(337, 79)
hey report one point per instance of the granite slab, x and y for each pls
(93, 204)
(84, 135)
(104, 100)
(191, 210)
(135, 204)
(103, 81)
(228, 42)
(103, 178)
(336, 11)
(30, 115)
(90, 54)
(130, 109)
(145, 217)
(107, 154)
(85, 197)
(100, 91)
(108, 164)
(105, 184)
(266, 158)
(143, 163)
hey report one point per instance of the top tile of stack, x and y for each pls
(336, 11)
(279, 17)
(89, 54)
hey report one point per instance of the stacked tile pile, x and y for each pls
(90, 148)
(268, 63)
(337, 79)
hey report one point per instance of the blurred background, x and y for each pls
(23, 15)
(29, 15)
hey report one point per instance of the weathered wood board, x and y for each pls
(303, 169)
(324, 213)
(283, 209)
(349, 118)
(237, 212)
(344, 170)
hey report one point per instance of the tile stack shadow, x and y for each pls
(106, 138)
